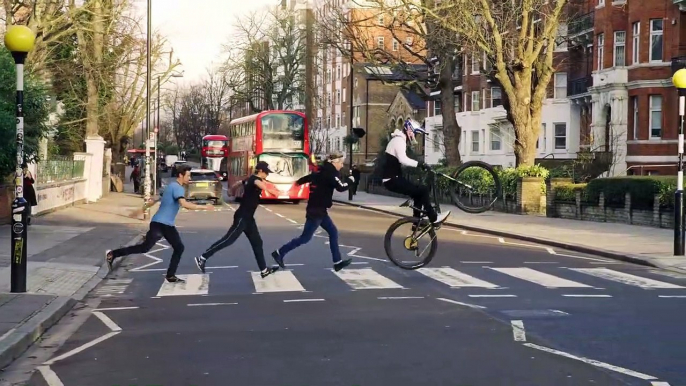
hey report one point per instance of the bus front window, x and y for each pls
(283, 131)
(286, 167)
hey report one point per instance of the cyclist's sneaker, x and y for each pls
(200, 262)
(268, 271)
(342, 264)
(441, 217)
(278, 258)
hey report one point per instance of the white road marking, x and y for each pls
(492, 296)
(460, 303)
(280, 215)
(366, 278)
(359, 262)
(659, 384)
(476, 262)
(591, 362)
(280, 281)
(107, 321)
(302, 300)
(581, 257)
(82, 347)
(455, 278)
(400, 297)
(587, 296)
(50, 376)
(540, 278)
(293, 221)
(196, 284)
(673, 296)
(518, 331)
(541, 262)
(209, 304)
(115, 308)
(625, 278)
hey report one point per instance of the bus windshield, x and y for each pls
(283, 131)
(286, 167)
(215, 143)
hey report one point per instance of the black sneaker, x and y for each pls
(174, 279)
(342, 264)
(109, 259)
(200, 262)
(278, 258)
(268, 271)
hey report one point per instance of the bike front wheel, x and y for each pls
(476, 187)
(409, 245)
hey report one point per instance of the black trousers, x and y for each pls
(419, 193)
(241, 224)
(157, 231)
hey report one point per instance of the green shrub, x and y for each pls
(642, 189)
(567, 192)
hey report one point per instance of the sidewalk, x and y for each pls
(65, 261)
(636, 244)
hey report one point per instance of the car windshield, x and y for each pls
(287, 167)
(203, 176)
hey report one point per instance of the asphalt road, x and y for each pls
(487, 311)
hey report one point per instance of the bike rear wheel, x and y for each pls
(477, 187)
(409, 241)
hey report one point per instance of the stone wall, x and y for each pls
(658, 217)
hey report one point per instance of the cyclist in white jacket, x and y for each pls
(392, 177)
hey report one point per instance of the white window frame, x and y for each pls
(380, 43)
(475, 98)
(499, 91)
(437, 107)
(635, 127)
(380, 20)
(555, 126)
(396, 44)
(619, 45)
(477, 142)
(652, 109)
(560, 90)
(635, 49)
(496, 139)
(653, 35)
(601, 50)
(475, 64)
(601, 3)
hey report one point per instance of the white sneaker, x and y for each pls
(441, 217)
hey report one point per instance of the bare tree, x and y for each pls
(518, 38)
(265, 62)
(416, 37)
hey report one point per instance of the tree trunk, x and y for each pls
(527, 125)
(451, 129)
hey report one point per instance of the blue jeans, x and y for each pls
(310, 227)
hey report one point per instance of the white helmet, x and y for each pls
(413, 127)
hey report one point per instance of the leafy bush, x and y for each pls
(567, 192)
(642, 189)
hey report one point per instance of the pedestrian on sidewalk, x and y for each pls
(29, 191)
(163, 224)
(136, 177)
(356, 175)
(322, 183)
(244, 220)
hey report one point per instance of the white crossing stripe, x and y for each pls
(540, 278)
(196, 284)
(455, 278)
(625, 278)
(281, 281)
(366, 278)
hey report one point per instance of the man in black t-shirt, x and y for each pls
(244, 221)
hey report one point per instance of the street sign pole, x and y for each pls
(679, 80)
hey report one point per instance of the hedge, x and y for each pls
(567, 192)
(642, 189)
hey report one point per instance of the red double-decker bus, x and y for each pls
(278, 137)
(215, 150)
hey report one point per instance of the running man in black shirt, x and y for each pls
(244, 221)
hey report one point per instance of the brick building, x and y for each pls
(335, 87)
(632, 97)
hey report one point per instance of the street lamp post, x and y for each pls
(19, 40)
(679, 81)
(146, 212)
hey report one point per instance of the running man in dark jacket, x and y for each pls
(322, 184)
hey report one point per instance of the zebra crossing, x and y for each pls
(361, 279)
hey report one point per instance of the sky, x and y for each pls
(196, 29)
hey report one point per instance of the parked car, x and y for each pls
(205, 185)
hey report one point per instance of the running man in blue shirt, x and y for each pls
(163, 224)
